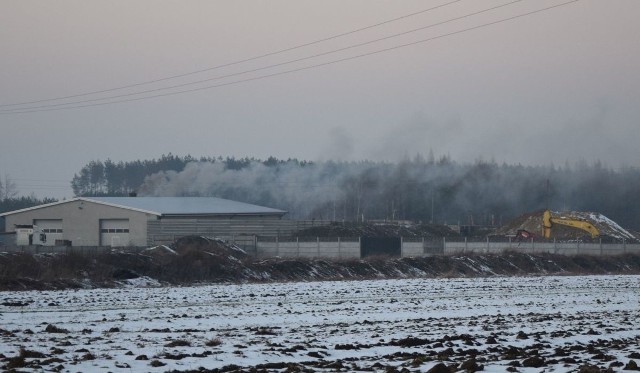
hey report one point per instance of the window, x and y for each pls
(114, 230)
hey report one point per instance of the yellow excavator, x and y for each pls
(548, 221)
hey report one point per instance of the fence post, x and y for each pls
(533, 246)
(488, 248)
(601, 252)
(255, 245)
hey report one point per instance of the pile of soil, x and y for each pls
(202, 260)
(532, 223)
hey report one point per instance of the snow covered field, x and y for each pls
(525, 324)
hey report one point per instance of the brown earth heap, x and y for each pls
(532, 223)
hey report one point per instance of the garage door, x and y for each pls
(52, 228)
(114, 232)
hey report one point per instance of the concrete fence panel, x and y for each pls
(307, 248)
(412, 249)
(337, 247)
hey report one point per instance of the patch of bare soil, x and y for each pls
(464, 353)
(204, 260)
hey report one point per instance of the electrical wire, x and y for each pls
(236, 62)
(33, 110)
(264, 67)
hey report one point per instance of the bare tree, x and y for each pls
(8, 188)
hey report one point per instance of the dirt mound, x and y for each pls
(195, 246)
(205, 260)
(197, 258)
(532, 223)
(606, 226)
(211, 245)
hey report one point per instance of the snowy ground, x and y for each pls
(524, 324)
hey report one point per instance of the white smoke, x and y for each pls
(289, 186)
(438, 190)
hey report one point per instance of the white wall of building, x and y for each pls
(81, 222)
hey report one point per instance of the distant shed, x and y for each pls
(140, 221)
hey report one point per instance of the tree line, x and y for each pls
(426, 189)
(108, 178)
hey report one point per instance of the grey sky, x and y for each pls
(557, 86)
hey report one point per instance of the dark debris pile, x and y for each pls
(203, 260)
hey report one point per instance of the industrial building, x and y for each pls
(138, 221)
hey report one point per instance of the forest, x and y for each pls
(424, 189)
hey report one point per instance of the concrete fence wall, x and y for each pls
(320, 247)
(304, 247)
(412, 247)
(534, 247)
(351, 248)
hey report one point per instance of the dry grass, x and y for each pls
(178, 343)
(213, 342)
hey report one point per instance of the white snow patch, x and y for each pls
(141, 282)
(162, 247)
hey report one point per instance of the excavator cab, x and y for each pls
(523, 234)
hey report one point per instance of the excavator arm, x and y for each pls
(548, 221)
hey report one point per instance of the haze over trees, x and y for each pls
(421, 189)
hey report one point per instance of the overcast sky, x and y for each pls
(555, 86)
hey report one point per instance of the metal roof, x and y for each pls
(172, 206)
(187, 205)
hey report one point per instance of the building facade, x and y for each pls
(132, 221)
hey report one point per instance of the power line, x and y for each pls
(33, 110)
(236, 62)
(264, 67)
(30, 179)
(43, 187)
